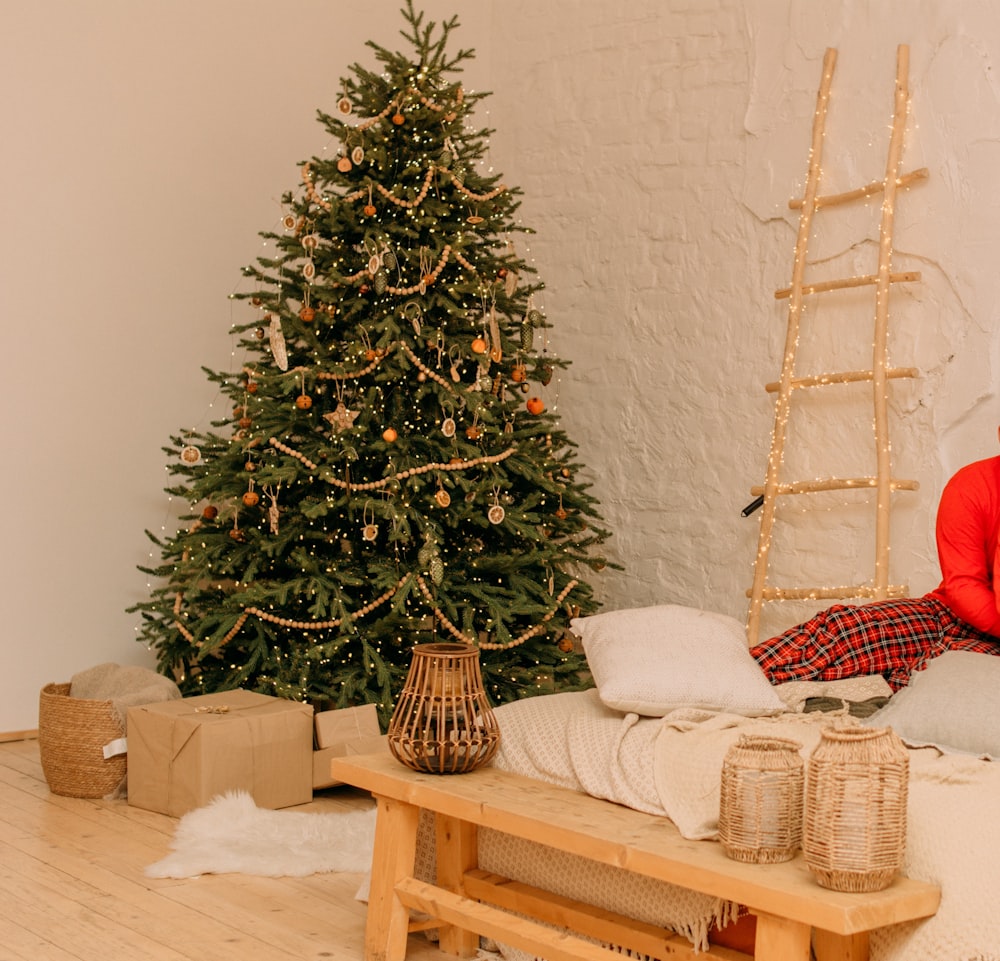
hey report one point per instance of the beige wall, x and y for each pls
(146, 144)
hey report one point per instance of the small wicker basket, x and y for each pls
(760, 808)
(856, 793)
(72, 733)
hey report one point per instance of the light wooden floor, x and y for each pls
(72, 887)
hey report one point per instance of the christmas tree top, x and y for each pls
(393, 471)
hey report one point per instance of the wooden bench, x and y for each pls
(792, 909)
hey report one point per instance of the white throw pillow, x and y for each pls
(950, 705)
(653, 660)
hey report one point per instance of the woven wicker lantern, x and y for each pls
(856, 792)
(760, 808)
(443, 723)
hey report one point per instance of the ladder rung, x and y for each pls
(861, 193)
(828, 593)
(868, 280)
(844, 377)
(838, 484)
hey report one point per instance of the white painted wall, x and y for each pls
(657, 145)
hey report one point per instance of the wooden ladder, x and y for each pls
(882, 482)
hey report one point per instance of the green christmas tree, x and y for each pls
(391, 474)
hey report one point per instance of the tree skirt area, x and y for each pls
(232, 835)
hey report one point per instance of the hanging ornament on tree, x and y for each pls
(448, 424)
(412, 311)
(496, 346)
(427, 550)
(496, 513)
(272, 510)
(370, 530)
(251, 498)
(442, 496)
(190, 454)
(277, 340)
(456, 363)
(447, 154)
(341, 418)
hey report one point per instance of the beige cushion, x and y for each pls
(652, 660)
(950, 705)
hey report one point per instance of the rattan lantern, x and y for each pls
(760, 807)
(855, 824)
(443, 723)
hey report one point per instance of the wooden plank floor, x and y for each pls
(72, 887)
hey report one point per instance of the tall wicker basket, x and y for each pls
(72, 733)
(856, 793)
(760, 809)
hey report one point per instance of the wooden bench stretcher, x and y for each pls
(792, 910)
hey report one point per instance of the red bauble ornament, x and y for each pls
(210, 512)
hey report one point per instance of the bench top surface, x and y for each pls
(644, 843)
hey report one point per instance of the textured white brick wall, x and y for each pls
(657, 143)
(658, 146)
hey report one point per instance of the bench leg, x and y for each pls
(779, 939)
(840, 947)
(456, 852)
(393, 860)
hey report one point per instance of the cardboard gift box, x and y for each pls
(182, 753)
(350, 730)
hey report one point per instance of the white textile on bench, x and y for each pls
(672, 766)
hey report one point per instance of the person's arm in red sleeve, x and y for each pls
(966, 531)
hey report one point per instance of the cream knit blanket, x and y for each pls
(673, 766)
(953, 833)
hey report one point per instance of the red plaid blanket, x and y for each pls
(893, 638)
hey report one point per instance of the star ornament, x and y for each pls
(341, 419)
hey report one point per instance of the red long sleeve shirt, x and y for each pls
(968, 520)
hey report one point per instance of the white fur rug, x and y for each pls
(232, 835)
